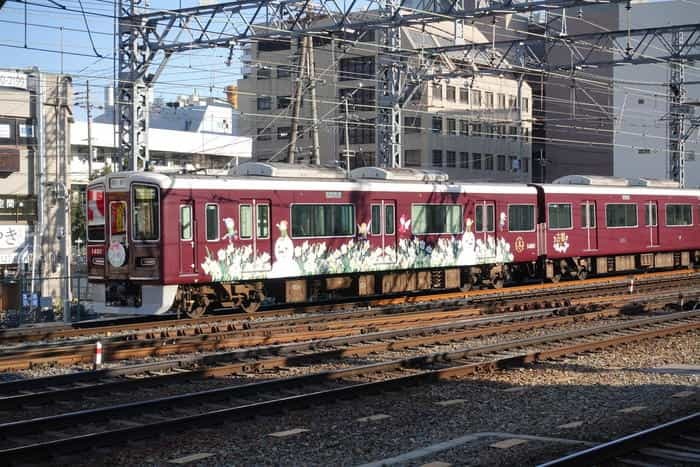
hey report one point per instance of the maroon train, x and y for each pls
(280, 233)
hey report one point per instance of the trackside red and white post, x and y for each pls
(98, 355)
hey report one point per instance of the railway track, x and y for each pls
(494, 301)
(67, 432)
(673, 443)
(286, 331)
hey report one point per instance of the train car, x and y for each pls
(279, 233)
(599, 225)
(289, 234)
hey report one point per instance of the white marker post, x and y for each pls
(98, 355)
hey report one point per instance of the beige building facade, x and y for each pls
(35, 116)
(474, 128)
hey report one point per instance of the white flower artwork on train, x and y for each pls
(356, 255)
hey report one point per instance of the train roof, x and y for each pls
(387, 180)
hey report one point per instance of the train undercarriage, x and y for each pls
(195, 300)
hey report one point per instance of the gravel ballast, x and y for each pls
(612, 393)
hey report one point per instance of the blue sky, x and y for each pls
(50, 30)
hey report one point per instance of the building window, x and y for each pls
(436, 219)
(451, 94)
(212, 221)
(323, 220)
(513, 131)
(488, 130)
(464, 95)
(476, 161)
(488, 161)
(264, 102)
(284, 71)
(360, 99)
(476, 129)
(526, 104)
(451, 126)
(264, 73)
(357, 68)
(476, 98)
(512, 102)
(463, 128)
(559, 216)
(525, 165)
(437, 125)
(273, 45)
(362, 132)
(264, 134)
(513, 163)
(412, 158)
(521, 218)
(437, 158)
(412, 124)
(621, 215)
(489, 100)
(501, 162)
(437, 91)
(463, 160)
(283, 102)
(283, 132)
(451, 157)
(501, 101)
(679, 214)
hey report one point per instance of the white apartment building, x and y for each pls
(190, 132)
(473, 128)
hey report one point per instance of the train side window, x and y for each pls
(588, 222)
(186, 222)
(376, 227)
(650, 215)
(212, 218)
(323, 220)
(679, 214)
(559, 216)
(621, 215)
(389, 219)
(521, 218)
(479, 214)
(245, 212)
(263, 221)
(436, 219)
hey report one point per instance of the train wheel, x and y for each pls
(251, 303)
(497, 283)
(196, 312)
(556, 278)
(583, 274)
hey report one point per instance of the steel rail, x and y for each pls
(71, 352)
(271, 396)
(629, 444)
(8, 336)
(233, 363)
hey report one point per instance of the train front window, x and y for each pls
(145, 212)
(96, 213)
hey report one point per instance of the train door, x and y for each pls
(589, 224)
(485, 225)
(117, 252)
(651, 222)
(383, 226)
(187, 243)
(254, 230)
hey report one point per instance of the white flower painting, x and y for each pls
(305, 258)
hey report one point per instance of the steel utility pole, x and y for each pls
(89, 127)
(298, 96)
(676, 124)
(389, 87)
